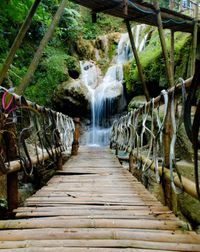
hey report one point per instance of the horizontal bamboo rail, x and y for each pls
(187, 185)
(15, 165)
(159, 99)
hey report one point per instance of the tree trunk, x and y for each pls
(137, 60)
(27, 78)
(18, 40)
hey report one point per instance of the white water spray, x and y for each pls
(102, 93)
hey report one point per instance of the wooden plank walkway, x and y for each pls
(95, 205)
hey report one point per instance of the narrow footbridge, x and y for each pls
(94, 204)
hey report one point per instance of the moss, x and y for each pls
(85, 49)
(73, 66)
(153, 65)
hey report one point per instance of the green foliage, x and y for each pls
(104, 24)
(152, 62)
(51, 72)
(69, 28)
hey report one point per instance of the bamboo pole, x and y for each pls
(125, 7)
(137, 60)
(12, 179)
(31, 70)
(194, 40)
(18, 40)
(163, 44)
(75, 144)
(188, 186)
(172, 43)
(172, 54)
(16, 165)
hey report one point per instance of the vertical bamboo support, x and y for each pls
(131, 162)
(12, 178)
(170, 196)
(12, 191)
(75, 144)
(59, 162)
(172, 54)
(172, 44)
(116, 150)
(140, 72)
(125, 7)
(194, 40)
(163, 44)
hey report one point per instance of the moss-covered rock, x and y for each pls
(85, 49)
(73, 67)
(71, 98)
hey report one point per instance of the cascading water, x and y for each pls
(102, 93)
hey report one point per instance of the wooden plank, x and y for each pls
(120, 244)
(108, 210)
(92, 223)
(80, 249)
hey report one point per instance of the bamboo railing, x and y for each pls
(141, 134)
(184, 6)
(29, 135)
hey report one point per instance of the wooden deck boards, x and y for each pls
(95, 205)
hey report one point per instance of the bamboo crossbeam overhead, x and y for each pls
(142, 13)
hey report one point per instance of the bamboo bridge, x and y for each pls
(93, 203)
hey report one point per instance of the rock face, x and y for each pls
(72, 98)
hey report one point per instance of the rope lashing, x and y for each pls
(172, 146)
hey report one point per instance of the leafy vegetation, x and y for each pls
(72, 41)
(152, 62)
(60, 57)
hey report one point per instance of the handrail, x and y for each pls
(51, 129)
(15, 166)
(29, 135)
(128, 132)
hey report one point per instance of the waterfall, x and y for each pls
(102, 93)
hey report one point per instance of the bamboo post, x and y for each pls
(140, 72)
(131, 162)
(116, 150)
(172, 54)
(59, 162)
(12, 178)
(172, 44)
(170, 196)
(125, 7)
(194, 40)
(75, 144)
(167, 131)
(163, 44)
